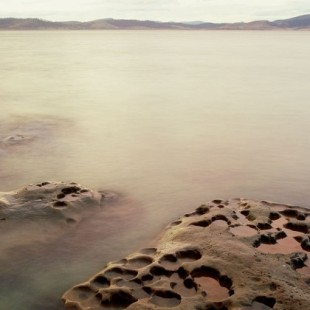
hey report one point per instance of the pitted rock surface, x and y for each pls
(35, 217)
(50, 200)
(227, 255)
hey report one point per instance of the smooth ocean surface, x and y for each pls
(168, 119)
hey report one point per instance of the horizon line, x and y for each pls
(150, 20)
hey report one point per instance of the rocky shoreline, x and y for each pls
(226, 255)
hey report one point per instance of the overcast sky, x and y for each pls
(161, 10)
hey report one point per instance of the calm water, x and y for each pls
(168, 119)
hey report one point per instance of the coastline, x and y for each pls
(225, 255)
(295, 23)
(215, 257)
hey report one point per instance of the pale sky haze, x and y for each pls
(159, 10)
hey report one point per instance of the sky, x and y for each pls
(159, 10)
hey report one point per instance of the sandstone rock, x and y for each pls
(227, 255)
(50, 200)
(41, 213)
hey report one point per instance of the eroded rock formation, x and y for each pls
(40, 214)
(50, 200)
(227, 255)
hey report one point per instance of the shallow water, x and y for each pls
(169, 119)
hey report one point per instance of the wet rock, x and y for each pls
(50, 200)
(241, 255)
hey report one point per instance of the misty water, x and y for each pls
(166, 119)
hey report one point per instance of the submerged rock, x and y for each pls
(227, 255)
(21, 132)
(16, 139)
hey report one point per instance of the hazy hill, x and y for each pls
(35, 24)
(295, 23)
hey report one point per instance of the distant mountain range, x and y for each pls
(295, 23)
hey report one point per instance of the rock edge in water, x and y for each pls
(50, 201)
(227, 255)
